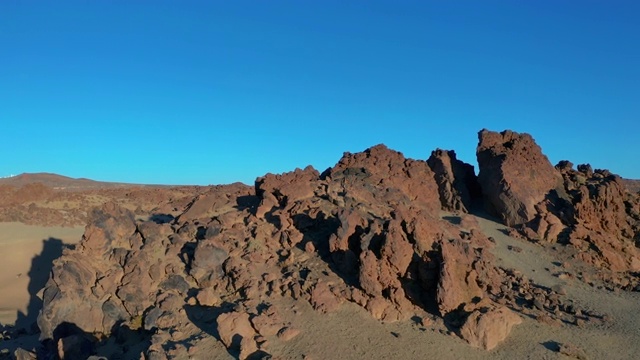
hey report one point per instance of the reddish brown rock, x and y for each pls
(207, 297)
(285, 189)
(633, 186)
(600, 218)
(368, 230)
(514, 175)
(79, 280)
(323, 299)
(571, 350)
(597, 216)
(344, 254)
(458, 279)
(218, 200)
(486, 328)
(457, 182)
(380, 178)
(237, 333)
(208, 258)
(548, 226)
(268, 322)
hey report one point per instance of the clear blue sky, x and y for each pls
(207, 92)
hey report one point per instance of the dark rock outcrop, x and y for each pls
(457, 183)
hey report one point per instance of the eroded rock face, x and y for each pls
(601, 218)
(514, 175)
(82, 284)
(463, 267)
(380, 177)
(595, 214)
(457, 182)
(219, 200)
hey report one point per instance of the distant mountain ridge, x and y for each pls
(60, 182)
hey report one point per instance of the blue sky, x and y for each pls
(195, 92)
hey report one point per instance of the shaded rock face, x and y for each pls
(457, 183)
(237, 332)
(362, 216)
(130, 277)
(218, 200)
(514, 175)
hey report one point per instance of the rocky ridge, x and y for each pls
(368, 231)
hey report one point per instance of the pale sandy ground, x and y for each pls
(22, 246)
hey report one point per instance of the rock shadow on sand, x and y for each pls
(39, 272)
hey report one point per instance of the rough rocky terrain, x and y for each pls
(379, 257)
(632, 185)
(53, 200)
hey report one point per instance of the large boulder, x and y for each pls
(514, 175)
(464, 266)
(486, 328)
(237, 333)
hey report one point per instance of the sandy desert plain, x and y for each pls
(378, 257)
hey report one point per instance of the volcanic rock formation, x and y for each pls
(373, 219)
(367, 231)
(601, 219)
(592, 211)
